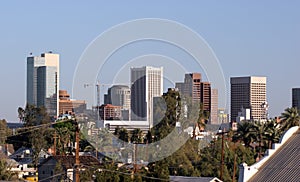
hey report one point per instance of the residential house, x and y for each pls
(62, 167)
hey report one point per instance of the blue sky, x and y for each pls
(249, 38)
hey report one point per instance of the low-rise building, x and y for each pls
(68, 105)
(62, 167)
(110, 112)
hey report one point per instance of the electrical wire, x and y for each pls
(33, 128)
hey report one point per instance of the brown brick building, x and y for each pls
(70, 106)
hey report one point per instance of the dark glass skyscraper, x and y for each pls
(296, 97)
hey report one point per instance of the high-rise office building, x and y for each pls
(146, 83)
(248, 93)
(119, 95)
(43, 81)
(296, 97)
(191, 87)
(197, 90)
(205, 96)
(214, 107)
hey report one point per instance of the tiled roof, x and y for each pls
(284, 165)
(69, 161)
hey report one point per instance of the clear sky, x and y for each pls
(249, 38)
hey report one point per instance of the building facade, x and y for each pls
(223, 116)
(110, 112)
(146, 83)
(43, 81)
(119, 95)
(205, 96)
(191, 87)
(296, 98)
(214, 107)
(68, 105)
(248, 93)
(197, 90)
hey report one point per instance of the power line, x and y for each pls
(36, 127)
(129, 174)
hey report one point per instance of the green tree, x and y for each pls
(59, 172)
(3, 131)
(210, 161)
(108, 173)
(272, 132)
(158, 169)
(87, 175)
(246, 132)
(65, 134)
(172, 114)
(289, 118)
(136, 136)
(33, 116)
(36, 121)
(5, 173)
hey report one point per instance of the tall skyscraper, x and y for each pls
(205, 96)
(146, 83)
(191, 87)
(296, 97)
(197, 90)
(43, 81)
(248, 93)
(214, 107)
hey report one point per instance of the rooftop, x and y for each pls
(284, 164)
(69, 161)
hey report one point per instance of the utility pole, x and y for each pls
(134, 157)
(222, 158)
(222, 153)
(54, 154)
(77, 162)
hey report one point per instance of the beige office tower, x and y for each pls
(43, 81)
(214, 107)
(146, 83)
(249, 93)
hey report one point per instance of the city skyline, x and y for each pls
(259, 38)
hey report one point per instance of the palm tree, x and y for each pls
(259, 128)
(289, 118)
(272, 132)
(123, 135)
(246, 132)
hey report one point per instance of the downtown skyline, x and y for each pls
(248, 39)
